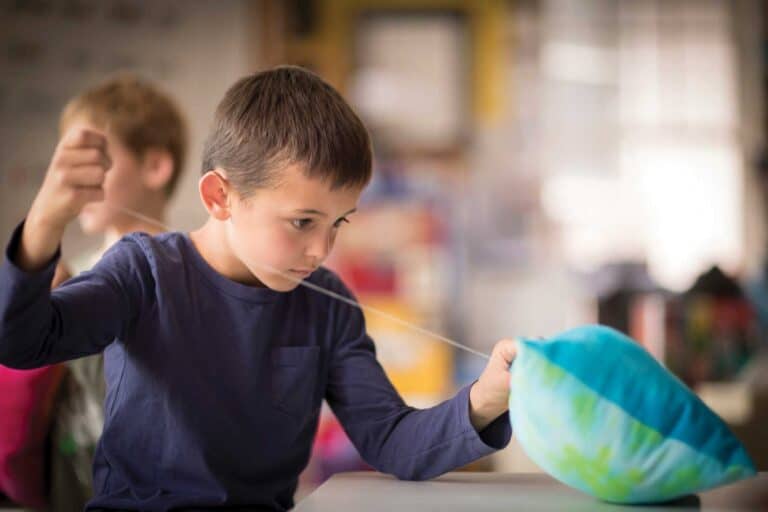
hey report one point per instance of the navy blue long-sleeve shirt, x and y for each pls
(214, 388)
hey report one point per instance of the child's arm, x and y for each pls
(392, 437)
(38, 326)
(73, 179)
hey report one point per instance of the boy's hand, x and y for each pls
(73, 179)
(489, 396)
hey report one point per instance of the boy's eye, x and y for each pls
(301, 223)
(338, 222)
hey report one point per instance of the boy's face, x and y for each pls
(288, 229)
(122, 186)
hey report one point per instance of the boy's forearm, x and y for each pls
(39, 327)
(39, 242)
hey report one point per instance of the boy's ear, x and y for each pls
(214, 191)
(156, 169)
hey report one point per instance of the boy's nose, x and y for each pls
(320, 248)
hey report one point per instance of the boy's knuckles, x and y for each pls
(79, 137)
(96, 177)
(92, 155)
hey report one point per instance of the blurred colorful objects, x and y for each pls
(712, 330)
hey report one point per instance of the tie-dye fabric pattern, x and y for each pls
(597, 412)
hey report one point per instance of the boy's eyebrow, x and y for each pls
(310, 211)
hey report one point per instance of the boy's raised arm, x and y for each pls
(39, 326)
(73, 179)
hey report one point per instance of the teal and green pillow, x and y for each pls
(596, 411)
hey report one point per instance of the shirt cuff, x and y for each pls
(17, 274)
(493, 437)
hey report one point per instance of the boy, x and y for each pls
(146, 135)
(216, 361)
(147, 139)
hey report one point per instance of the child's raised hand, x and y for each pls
(73, 179)
(489, 396)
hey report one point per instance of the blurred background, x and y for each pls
(540, 164)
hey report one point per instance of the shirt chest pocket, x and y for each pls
(294, 379)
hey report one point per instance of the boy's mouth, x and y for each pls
(301, 272)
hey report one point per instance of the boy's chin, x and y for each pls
(91, 224)
(280, 284)
(274, 280)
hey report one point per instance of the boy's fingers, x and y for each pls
(90, 194)
(84, 138)
(85, 176)
(507, 349)
(85, 156)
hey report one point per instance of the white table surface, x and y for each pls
(373, 492)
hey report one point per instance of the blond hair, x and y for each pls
(138, 113)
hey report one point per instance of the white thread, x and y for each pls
(322, 290)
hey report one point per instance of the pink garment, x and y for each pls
(26, 402)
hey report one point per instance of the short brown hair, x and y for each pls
(283, 116)
(141, 115)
